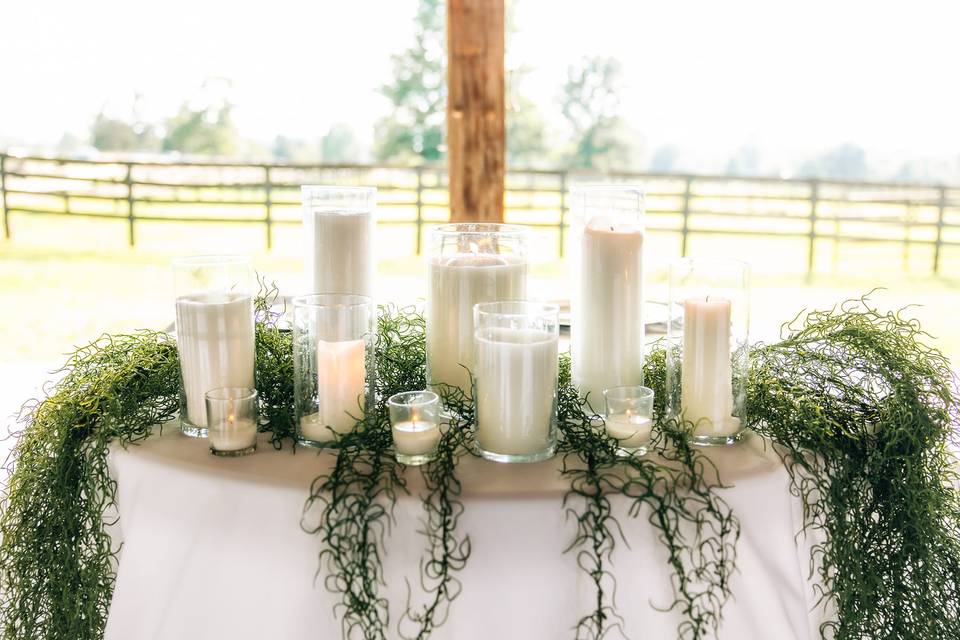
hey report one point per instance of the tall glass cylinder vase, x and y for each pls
(606, 334)
(214, 331)
(469, 264)
(708, 360)
(516, 380)
(334, 369)
(339, 225)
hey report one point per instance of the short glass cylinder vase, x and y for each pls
(708, 360)
(232, 421)
(628, 418)
(469, 263)
(339, 225)
(215, 336)
(334, 370)
(606, 306)
(415, 425)
(516, 380)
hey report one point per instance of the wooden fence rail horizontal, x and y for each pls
(135, 191)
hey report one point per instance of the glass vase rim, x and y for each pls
(212, 260)
(425, 396)
(642, 392)
(532, 308)
(693, 261)
(597, 187)
(332, 300)
(332, 188)
(220, 394)
(452, 229)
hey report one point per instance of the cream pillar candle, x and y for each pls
(456, 283)
(216, 345)
(416, 437)
(607, 332)
(630, 431)
(341, 386)
(235, 434)
(340, 224)
(516, 377)
(706, 396)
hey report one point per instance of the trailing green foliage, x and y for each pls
(866, 416)
(274, 366)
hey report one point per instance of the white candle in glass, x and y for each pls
(630, 430)
(416, 437)
(607, 331)
(341, 386)
(706, 396)
(216, 344)
(516, 378)
(457, 283)
(234, 434)
(341, 254)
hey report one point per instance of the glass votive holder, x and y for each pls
(516, 380)
(629, 417)
(415, 424)
(232, 420)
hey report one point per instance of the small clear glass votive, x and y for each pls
(232, 421)
(629, 417)
(415, 423)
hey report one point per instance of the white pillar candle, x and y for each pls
(416, 437)
(457, 283)
(216, 345)
(607, 331)
(234, 434)
(340, 251)
(516, 379)
(630, 431)
(341, 386)
(706, 396)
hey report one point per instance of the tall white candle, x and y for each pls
(457, 283)
(706, 396)
(341, 380)
(516, 387)
(340, 252)
(216, 344)
(607, 331)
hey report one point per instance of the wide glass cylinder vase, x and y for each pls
(469, 264)
(339, 225)
(334, 369)
(215, 340)
(708, 359)
(606, 333)
(516, 380)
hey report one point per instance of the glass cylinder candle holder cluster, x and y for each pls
(516, 380)
(339, 225)
(628, 418)
(606, 334)
(333, 365)
(469, 263)
(215, 336)
(415, 425)
(232, 421)
(708, 360)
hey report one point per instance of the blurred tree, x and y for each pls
(589, 102)
(846, 162)
(745, 162)
(418, 93)
(207, 131)
(340, 144)
(116, 134)
(665, 159)
(526, 128)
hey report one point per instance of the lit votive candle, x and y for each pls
(629, 417)
(414, 420)
(232, 420)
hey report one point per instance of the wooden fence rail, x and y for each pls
(809, 210)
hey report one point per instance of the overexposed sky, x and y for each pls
(807, 74)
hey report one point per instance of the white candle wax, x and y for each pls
(456, 284)
(631, 431)
(607, 331)
(516, 387)
(341, 387)
(234, 434)
(215, 342)
(340, 252)
(415, 438)
(706, 396)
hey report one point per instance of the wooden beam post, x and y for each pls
(476, 131)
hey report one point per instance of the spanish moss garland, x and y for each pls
(866, 415)
(274, 366)
(694, 523)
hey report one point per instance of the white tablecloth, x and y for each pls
(212, 548)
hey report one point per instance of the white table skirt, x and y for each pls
(212, 548)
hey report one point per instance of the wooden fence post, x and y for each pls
(685, 228)
(268, 203)
(130, 214)
(476, 132)
(936, 247)
(563, 208)
(814, 199)
(3, 195)
(419, 225)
